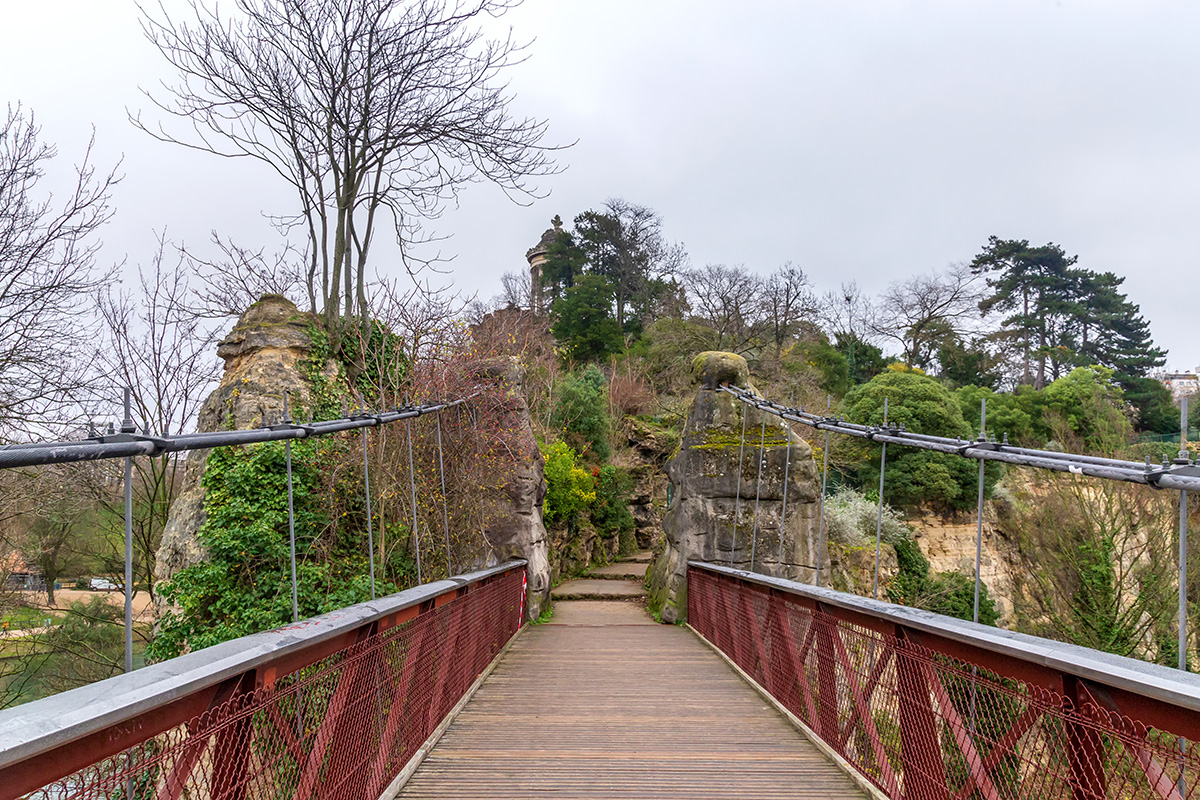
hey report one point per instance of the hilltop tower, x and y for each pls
(536, 256)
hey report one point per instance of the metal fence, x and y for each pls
(331, 707)
(933, 708)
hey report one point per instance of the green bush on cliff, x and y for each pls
(610, 511)
(569, 489)
(581, 413)
(915, 477)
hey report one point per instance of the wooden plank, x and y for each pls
(621, 711)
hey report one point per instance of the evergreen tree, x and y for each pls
(1061, 316)
(583, 322)
(564, 264)
(1034, 286)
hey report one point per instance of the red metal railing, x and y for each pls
(330, 708)
(930, 708)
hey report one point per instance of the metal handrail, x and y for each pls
(1142, 678)
(40, 726)
(1182, 474)
(126, 445)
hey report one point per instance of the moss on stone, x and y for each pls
(714, 367)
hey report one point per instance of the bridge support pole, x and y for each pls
(737, 503)
(445, 501)
(412, 485)
(787, 468)
(287, 449)
(1085, 747)
(879, 521)
(827, 690)
(824, 486)
(762, 456)
(370, 524)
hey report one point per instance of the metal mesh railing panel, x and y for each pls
(341, 727)
(923, 725)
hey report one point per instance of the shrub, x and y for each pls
(569, 489)
(850, 519)
(610, 512)
(914, 477)
(582, 413)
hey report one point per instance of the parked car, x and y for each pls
(103, 584)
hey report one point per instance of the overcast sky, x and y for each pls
(862, 141)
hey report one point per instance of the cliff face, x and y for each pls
(706, 520)
(262, 357)
(515, 528)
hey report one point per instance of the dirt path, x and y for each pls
(64, 597)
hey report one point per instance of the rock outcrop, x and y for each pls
(704, 475)
(514, 526)
(262, 357)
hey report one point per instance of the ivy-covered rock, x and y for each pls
(269, 352)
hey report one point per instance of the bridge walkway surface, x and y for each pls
(602, 702)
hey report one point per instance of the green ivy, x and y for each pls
(244, 586)
(610, 511)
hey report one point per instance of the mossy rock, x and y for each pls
(714, 367)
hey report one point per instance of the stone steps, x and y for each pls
(621, 571)
(644, 557)
(598, 589)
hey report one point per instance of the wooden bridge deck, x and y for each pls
(604, 703)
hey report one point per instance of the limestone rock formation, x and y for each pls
(262, 357)
(704, 475)
(515, 528)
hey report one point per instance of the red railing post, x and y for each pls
(920, 750)
(827, 692)
(231, 749)
(1085, 748)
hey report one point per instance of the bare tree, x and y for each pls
(370, 109)
(516, 291)
(920, 312)
(847, 312)
(157, 347)
(727, 299)
(787, 299)
(48, 274)
(239, 277)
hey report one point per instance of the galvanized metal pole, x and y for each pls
(127, 426)
(287, 449)
(979, 509)
(762, 456)
(978, 547)
(737, 503)
(370, 524)
(787, 466)
(879, 521)
(445, 502)
(1183, 532)
(1181, 785)
(824, 484)
(412, 485)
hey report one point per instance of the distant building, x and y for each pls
(536, 256)
(1181, 384)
